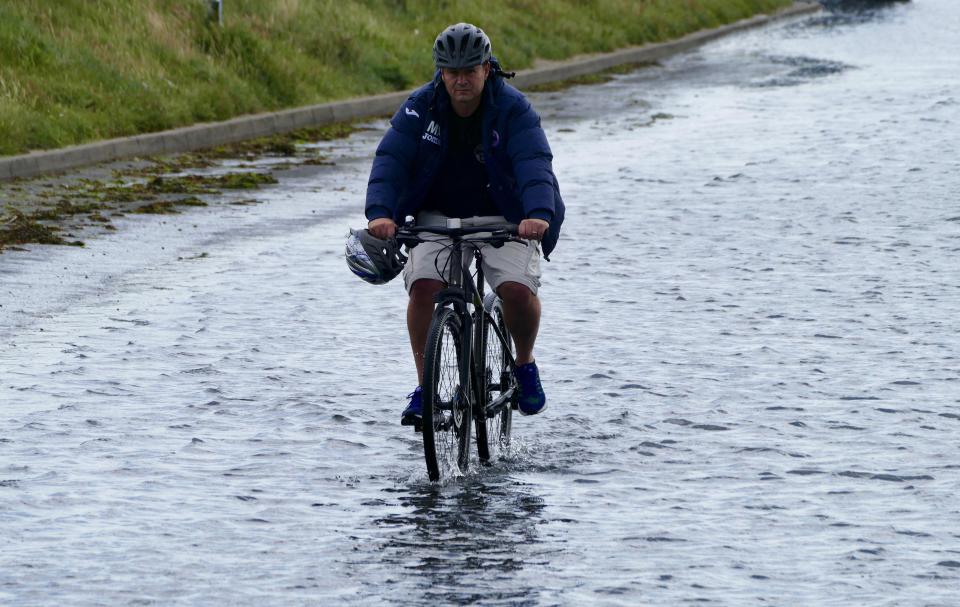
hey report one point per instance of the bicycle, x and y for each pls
(468, 359)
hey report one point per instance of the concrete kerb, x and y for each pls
(260, 125)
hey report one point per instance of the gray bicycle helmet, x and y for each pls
(375, 261)
(460, 46)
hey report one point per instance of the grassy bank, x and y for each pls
(74, 71)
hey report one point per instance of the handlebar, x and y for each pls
(496, 233)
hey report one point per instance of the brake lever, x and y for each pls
(408, 241)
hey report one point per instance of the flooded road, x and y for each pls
(749, 344)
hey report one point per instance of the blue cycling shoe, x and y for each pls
(414, 411)
(532, 398)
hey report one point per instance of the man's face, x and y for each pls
(465, 85)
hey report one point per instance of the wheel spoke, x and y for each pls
(446, 436)
(497, 381)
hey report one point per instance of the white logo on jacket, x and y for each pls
(411, 112)
(432, 133)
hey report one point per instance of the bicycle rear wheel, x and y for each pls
(446, 414)
(496, 381)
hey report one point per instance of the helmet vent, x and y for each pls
(461, 46)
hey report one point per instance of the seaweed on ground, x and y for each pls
(18, 229)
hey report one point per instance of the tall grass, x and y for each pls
(73, 71)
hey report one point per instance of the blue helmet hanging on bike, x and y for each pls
(372, 259)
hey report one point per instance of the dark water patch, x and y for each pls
(904, 382)
(663, 395)
(893, 478)
(710, 427)
(345, 443)
(10, 483)
(102, 393)
(678, 421)
(765, 507)
(653, 445)
(94, 441)
(133, 321)
(913, 533)
(605, 436)
(859, 398)
(205, 370)
(614, 590)
(800, 70)
(805, 471)
(850, 13)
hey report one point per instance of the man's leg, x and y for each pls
(419, 313)
(521, 312)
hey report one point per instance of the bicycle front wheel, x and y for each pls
(446, 413)
(496, 381)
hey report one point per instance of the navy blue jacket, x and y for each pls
(517, 157)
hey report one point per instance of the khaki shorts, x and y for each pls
(513, 262)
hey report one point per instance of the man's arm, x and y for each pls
(392, 166)
(532, 162)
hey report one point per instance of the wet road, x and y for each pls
(749, 344)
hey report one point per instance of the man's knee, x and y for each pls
(423, 291)
(515, 294)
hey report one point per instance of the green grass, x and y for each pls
(74, 71)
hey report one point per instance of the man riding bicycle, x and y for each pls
(468, 145)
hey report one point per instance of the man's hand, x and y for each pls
(533, 229)
(382, 228)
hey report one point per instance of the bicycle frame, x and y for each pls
(462, 291)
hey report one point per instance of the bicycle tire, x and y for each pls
(495, 376)
(446, 415)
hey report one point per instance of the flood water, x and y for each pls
(749, 345)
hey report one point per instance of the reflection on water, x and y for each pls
(458, 539)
